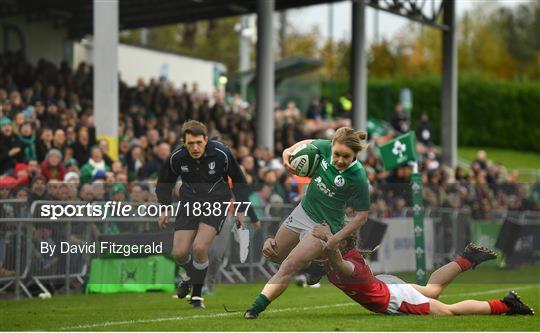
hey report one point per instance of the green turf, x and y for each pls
(513, 159)
(299, 309)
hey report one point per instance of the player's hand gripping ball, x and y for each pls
(305, 159)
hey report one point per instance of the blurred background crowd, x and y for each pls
(49, 150)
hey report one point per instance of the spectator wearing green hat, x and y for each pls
(11, 149)
(118, 192)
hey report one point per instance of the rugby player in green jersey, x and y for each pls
(339, 180)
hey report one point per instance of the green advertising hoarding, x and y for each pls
(113, 275)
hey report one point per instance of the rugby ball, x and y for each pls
(305, 159)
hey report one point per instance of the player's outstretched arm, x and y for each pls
(343, 267)
(356, 223)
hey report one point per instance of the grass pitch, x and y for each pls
(299, 309)
(510, 158)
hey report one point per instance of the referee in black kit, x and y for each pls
(204, 167)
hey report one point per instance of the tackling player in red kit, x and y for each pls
(348, 271)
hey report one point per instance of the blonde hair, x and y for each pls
(351, 138)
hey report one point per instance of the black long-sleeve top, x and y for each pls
(203, 179)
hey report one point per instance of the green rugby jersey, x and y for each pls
(330, 190)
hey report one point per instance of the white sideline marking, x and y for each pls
(228, 314)
(215, 315)
(487, 292)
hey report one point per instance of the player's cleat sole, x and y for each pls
(478, 254)
(183, 289)
(517, 307)
(197, 302)
(251, 314)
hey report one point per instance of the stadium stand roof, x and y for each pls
(76, 15)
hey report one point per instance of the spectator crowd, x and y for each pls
(49, 149)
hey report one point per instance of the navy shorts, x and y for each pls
(192, 222)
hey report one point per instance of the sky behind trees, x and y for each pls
(306, 18)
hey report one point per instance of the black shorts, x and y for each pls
(192, 222)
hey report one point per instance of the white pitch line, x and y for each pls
(215, 315)
(487, 292)
(228, 314)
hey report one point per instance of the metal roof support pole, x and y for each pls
(244, 47)
(359, 66)
(105, 53)
(265, 74)
(449, 86)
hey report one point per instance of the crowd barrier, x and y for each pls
(24, 269)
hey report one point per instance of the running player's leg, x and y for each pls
(472, 256)
(285, 241)
(216, 255)
(183, 239)
(307, 249)
(201, 245)
(182, 242)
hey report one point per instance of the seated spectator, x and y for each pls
(72, 177)
(7, 183)
(81, 147)
(28, 140)
(21, 193)
(44, 144)
(98, 189)
(104, 146)
(72, 165)
(53, 189)
(21, 174)
(59, 141)
(247, 164)
(137, 194)
(136, 159)
(38, 189)
(152, 167)
(118, 192)
(86, 193)
(95, 164)
(52, 167)
(270, 179)
(10, 147)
